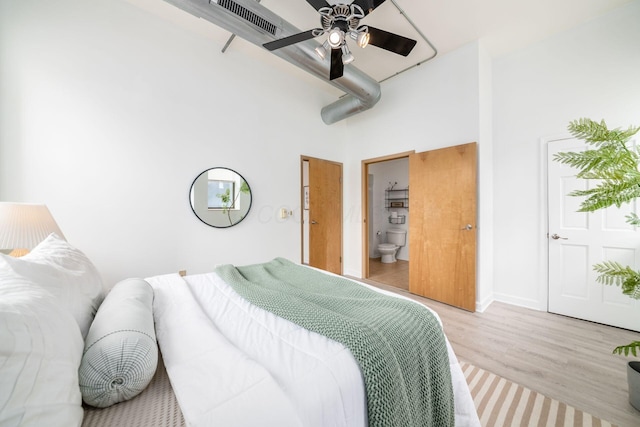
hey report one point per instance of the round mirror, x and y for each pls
(220, 197)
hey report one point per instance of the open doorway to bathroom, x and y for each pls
(441, 232)
(386, 226)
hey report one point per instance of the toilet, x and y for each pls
(396, 238)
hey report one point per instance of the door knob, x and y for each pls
(556, 237)
(467, 227)
(313, 222)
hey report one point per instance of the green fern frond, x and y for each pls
(606, 172)
(614, 162)
(580, 160)
(608, 193)
(589, 130)
(611, 163)
(598, 134)
(597, 202)
(614, 273)
(632, 348)
(613, 187)
(627, 134)
(633, 219)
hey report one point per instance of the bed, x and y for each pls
(229, 362)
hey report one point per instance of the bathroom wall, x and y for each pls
(385, 174)
(373, 240)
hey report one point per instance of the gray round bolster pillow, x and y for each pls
(120, 353)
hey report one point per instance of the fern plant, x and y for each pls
(616, 167)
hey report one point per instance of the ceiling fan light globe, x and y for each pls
(363, 39)
(321, 52)
(347, 56)
(336, 38)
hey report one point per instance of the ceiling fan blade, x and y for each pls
(318, 4)
(286, 41)
(391, 42)
(367, 6)
(337, 67)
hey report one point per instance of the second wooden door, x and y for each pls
(442, 225)
(325, 215)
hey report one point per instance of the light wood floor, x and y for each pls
(394, 274)
(564, 358)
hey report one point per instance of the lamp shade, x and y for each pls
(25, 225)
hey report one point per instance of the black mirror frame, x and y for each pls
(220, 226)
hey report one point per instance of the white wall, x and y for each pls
(485, 267)
(591, 71)
(109, 112)
(395, 172)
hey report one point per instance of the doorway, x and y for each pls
(578, 240)
(442, 229)
(386, 183)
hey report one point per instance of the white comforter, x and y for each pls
(233, 364)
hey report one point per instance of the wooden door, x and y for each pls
(325, 215)
(442, 225)
(578, 240)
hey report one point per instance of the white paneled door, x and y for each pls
(578, 240)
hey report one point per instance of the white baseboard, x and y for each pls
(484, 304)
(521, 302)
(353, 273)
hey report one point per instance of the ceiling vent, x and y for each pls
(247, 15)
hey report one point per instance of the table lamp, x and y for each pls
(24, 225)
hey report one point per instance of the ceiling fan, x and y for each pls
(341, 21)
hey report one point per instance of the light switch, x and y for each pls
(284, 213)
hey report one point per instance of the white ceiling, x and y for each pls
(502, 25)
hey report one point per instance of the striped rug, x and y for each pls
(502, 403)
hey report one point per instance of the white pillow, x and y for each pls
(40, 352)
(67, 273)
(120, 354)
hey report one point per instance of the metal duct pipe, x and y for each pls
(258, 25)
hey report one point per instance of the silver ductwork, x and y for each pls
(255, 23)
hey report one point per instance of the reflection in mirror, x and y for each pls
(220, 197)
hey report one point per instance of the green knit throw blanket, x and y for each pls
(399, 345)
